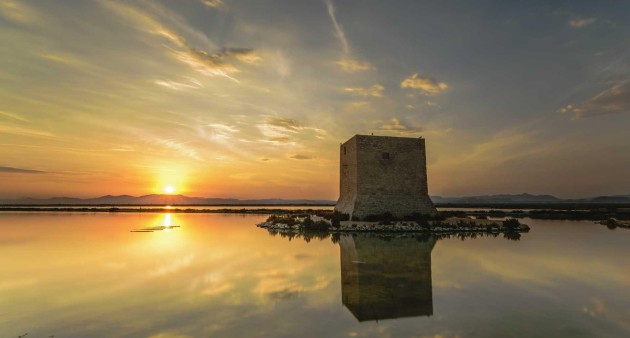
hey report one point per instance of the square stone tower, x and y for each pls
(382, 174)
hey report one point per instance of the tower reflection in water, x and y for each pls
(386, 278)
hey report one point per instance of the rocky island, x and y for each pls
(334, 222)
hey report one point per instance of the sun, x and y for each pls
(169, 189)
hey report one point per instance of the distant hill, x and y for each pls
(611, 199)
(528, 199)
(157, 199)
(497, 199)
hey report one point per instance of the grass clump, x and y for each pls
(511, 223)
(284, 219)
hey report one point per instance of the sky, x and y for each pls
(251, 99)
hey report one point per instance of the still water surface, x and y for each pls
(217, 275)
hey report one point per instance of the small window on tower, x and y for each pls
(344, 150)
(386, 156)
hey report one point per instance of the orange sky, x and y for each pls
(226, 99)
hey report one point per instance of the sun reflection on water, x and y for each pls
(163, 233)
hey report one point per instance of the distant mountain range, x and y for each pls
(185, 200)
(158, 200)
(528, 199)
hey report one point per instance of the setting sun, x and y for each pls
(169, 189)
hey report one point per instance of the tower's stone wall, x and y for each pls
(381, 174)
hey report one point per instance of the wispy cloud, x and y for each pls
(396, 127)
(179, 147)
(358, 105)
(285, 131)
(287, 124)
(280, 130)
(287, 293)
(162, 22)
(62, 58)
(373, 91)
(212, 3)
(338, 31)
(575, 19)
(218, 132)
(301, 157)
(425, 84)
(209, 64)
(611, 101)
(123, 149)
(579, 23)
(157, 20)
(175, 85)
(17, 11)
(20, 171)
(15, 130)
(13, 116)
(280, 139)
(220, 63)
(245, 55)
(352, 65)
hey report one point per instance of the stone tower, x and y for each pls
(382, 174)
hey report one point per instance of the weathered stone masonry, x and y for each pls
(381, 174)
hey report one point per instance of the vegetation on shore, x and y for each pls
(612, 224)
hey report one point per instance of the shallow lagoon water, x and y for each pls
(217, 275)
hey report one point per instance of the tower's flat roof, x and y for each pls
(384, 137)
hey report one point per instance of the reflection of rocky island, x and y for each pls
(386, 279)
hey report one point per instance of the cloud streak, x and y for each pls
(373, 91)
(425, 84)
(174, 85)
(280, 130)
(222, 63)
(170, 144)
(396, 127)
(212, 3)
(352, 65)
(338, 31)
(15, 130)
(579, 23)
(17, 12)
(301, 157)
(13, 116)
(611, 101)
(287, 124)
(12, 170)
